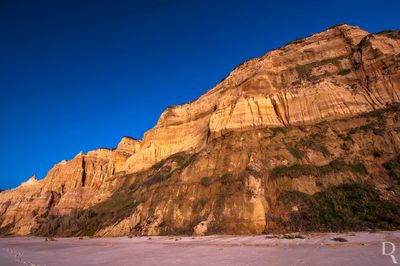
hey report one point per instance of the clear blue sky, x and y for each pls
(79, 75)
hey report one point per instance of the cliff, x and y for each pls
(304, 120)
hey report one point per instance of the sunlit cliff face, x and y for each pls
(299, 118)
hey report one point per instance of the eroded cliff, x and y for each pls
(293, 119)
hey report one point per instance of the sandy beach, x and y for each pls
(315, 249)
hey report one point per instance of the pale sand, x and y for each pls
(317, 249)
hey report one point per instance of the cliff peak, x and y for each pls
(343, 26)
(32, 180)
(128, 144)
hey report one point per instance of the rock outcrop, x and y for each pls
(338, 73)
(210, 166)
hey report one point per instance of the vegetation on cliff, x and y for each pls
(351, 206)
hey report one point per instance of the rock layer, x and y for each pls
(338, 73)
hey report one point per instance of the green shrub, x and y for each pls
(392, 108)
(364, 128)
(324, 150)
(341, 166)
(304, 71)
(353, 131)
(226, 178)
(378, 131)
(294, 171)
(393, 168)
(206, 181)
(158, 165)
(294, 151)
(135, 185)
(344, 72)
(357, 65)
(311, 143)
(161, 175)
(199, 205)
(91, 231)
(344, 146)
(367, 127)
(294, 197)
(277, 130)
(7, 229)
(308, 142)
(183, 159)
(346, 137)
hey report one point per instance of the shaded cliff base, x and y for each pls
(350, 207)
(333, 176)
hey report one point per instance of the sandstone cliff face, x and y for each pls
(208, 166)
(77, 183)
(338, 73)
